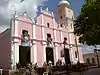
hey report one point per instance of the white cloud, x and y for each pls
(8, 7)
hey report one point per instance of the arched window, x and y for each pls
(60, 17)
(48, 25)
(61, 25)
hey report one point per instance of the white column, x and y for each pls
(34, 31)
(61, 36)
(15, 55)
(54, 30)
(44, 52)
(34, 53)
(16, 52)
(71, 54)
(12, 55)
(34, 47)
(55, 55)
(43, 32)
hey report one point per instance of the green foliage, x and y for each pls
(87, 24)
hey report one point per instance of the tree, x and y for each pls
(87, 24)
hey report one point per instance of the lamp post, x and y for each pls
(64, 43)
(95, 50)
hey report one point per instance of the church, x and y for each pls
(47, 38)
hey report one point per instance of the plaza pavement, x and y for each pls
(93, 71)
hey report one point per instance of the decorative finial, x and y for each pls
(41, 9)
(52, 14)
(47, 9)
(25, 13)
(15, 14)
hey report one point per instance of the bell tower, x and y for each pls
(64, 15)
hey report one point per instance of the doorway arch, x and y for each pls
(67, 56)
(24, 55)
(49, 55)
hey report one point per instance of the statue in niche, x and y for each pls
(49, 41)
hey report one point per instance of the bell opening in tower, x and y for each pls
(24, 55)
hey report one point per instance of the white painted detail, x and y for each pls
(71, 54)
(12, 55)
(34, 32)
(43, 32)
(17, 53)
(35, 52)
(54, 30)
(32, 54)
(55, 55)
(61, 37)
(63, 61)
(15, 56)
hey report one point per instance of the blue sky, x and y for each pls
(76, 5)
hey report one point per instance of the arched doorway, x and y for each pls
(24, 55)
(49, 55)
(67, 56)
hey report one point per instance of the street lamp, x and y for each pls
(95, 51)
(66, 63)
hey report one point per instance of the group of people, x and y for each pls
(30, 69)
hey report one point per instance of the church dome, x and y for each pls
(64, 2)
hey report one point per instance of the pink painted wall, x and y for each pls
(38, 32)
(50, 31)
(59, 48)
(64, 34)
(56, 25)
(48, 20)
(5, 49)
(24, 26)
(39, 19)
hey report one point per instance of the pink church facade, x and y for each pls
(41, 41)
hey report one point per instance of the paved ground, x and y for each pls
(94, 71)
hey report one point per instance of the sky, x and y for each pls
(7, 8)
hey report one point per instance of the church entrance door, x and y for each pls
(49, 55)
(24, 55)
